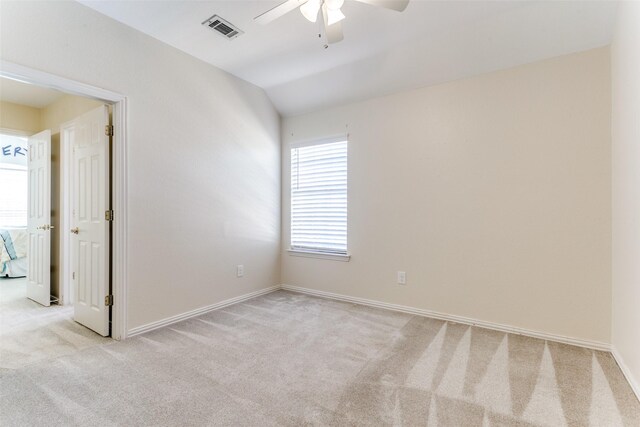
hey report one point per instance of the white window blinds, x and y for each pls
(13, 196)
(319, 197)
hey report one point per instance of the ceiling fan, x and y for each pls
(331, 13)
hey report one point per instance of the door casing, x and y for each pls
(119, 183)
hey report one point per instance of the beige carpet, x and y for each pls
(30, 332)
(290, 359)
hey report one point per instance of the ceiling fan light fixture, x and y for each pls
(331, 13)
(334, 15)
(310, 10)
(334, 4)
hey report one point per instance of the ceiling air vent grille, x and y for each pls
(223, 27)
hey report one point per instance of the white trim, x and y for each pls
(31, 76)
(321, 255)
(595, 345)
(119, 177)
(11, 166)
(635, 386)
(119, 239)
(64, 276)
(199, 311)
(328, 140)
(14, 132)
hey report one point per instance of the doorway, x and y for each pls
(118, 266)
(44, 311)
(38, 319)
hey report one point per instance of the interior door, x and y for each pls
(90, 228)
(39, 218)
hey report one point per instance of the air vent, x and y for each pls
(223, 27)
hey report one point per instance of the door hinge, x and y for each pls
(108, 300)
(108, 215)
(73, 276)
(108, 130)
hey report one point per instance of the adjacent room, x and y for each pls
(320, 212)
(40, 314)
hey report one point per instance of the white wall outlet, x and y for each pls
(240, 270)
(402, 278)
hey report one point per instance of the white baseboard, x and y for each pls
(595, 345)
(635, 386)
(197, 312)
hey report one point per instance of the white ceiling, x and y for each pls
(383, 51)
(26, 94)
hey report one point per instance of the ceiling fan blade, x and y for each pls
(278, 11)
(334, 31)
(398, 5)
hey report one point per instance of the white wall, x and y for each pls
(204, 182)
(492, 193)
(625, 124)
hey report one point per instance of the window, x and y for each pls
(319, 197)
(13, 181)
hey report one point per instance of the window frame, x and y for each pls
(313, 253)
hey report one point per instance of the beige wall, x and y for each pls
(64, 109)
(32, 120)
(203, 156)
(625, 66)
(19, 118)
(492, 193)
(52, 116)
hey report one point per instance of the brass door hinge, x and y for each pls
(108, 215)
(108, 300)
(108, 130)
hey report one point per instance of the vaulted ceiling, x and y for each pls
(382, 52)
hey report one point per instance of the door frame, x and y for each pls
(65, 288)
(119, 178)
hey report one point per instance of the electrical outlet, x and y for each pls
(402, 278)
(240, 270)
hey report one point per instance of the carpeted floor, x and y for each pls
(30, 332)
(292, 359)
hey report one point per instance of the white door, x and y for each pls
(90, 228)
(39, 218)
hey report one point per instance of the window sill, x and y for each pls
(320, 255)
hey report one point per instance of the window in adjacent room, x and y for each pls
(13, 181)
(319, 197)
